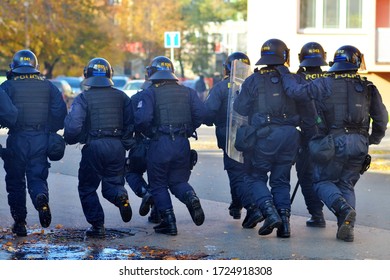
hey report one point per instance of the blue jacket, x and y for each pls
(8, 111)
(57, 105)
(216, 110)
(320, 89)
(76, 119)
(144, 116)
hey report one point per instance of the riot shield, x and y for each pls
(239, 72)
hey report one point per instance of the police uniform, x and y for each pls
(41, 109)
(349, 102)
(274, 115)
(100, 117)
(169, 114)
(136, 167)
(304, 166)
(216, 107)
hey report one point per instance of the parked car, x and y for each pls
(133, 86)
(74, 82)
(120, 81)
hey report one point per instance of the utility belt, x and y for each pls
(35, 127)
(98, 134)
(172, 134)
(173, 131)
(349, 130)
(275, 120)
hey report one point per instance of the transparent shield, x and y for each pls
(239, 72)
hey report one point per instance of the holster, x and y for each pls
(366, 164)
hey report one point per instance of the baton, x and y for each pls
(294, 192)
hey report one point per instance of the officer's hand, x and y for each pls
(282, 69)
(373, 141)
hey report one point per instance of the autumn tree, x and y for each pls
(146, 22)
(62, 33)
(65, 34)
(197, 14)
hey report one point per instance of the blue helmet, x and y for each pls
(98, 73)
(312, 54)
(274, 52)
(24, 62)
(235, 56)
(347, 58)
(161, 68)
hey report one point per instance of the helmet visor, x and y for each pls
(362, 63)
(286, 55)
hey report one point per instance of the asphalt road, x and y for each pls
(211, 182)
(220, 237)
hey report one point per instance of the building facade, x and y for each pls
(364, 24)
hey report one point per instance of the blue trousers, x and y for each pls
(26, 166)
(102, 161)
(339, 176)
(304, 167)
(271, 163)
(168, 169)
(241, 192)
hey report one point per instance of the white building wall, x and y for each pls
(280, 19)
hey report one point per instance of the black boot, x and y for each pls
(146, 204)
(284, 230)
(193, 205)
(253, 217)
(168, 224)
(43, 210)
(20, 228)
(125, 208)
(235, 210)
(97, 230)
(272, 218)
(317, 220)
(346, 216)
(154, 217)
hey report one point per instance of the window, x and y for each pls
(330, 14)
(354, 14)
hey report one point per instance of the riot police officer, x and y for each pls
(41, 110)
(169, 113)
(274, 115)
(311, 57)
(349, 103)
(216, 113)
(101, 117)
(136, 166)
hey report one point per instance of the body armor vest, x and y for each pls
(32, 98)
(172, 105)
(105, 111)
(348, 106)
(273, 103)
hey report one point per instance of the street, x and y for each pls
(211, 182)
(218, 238)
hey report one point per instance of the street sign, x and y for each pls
(172, 39)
